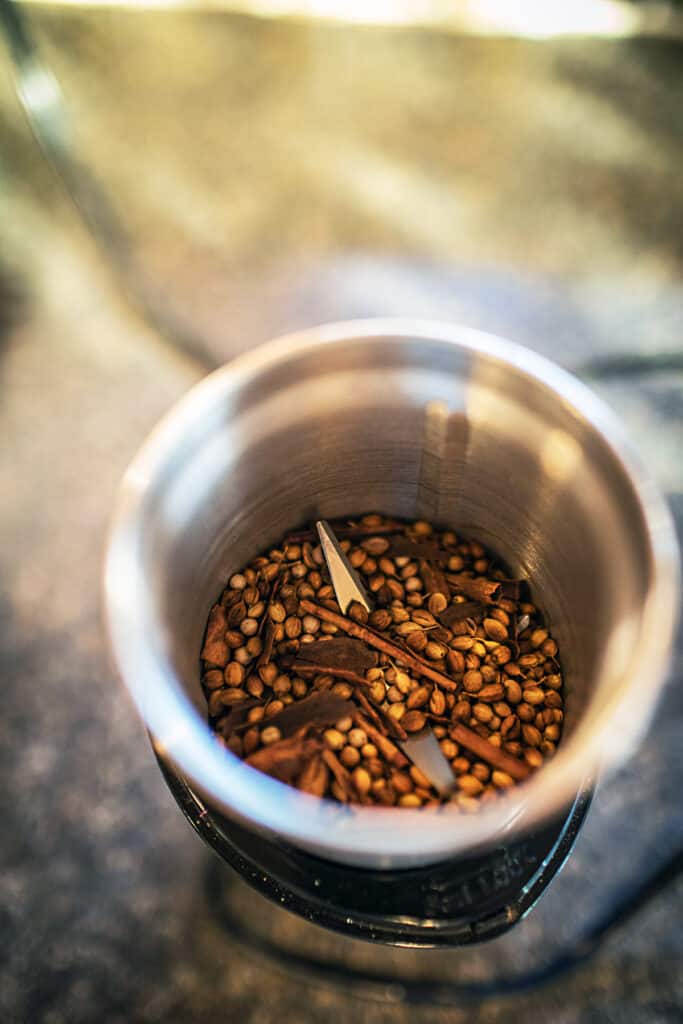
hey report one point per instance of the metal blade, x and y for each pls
(424, 751)
(347, 586)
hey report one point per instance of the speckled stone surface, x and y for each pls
(103, 906)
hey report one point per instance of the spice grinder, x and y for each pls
(411, 419)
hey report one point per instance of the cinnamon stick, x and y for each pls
(369, 710)
(510, 588)
(305, 669)
(314, 777)
(267, 651)
(217, 624)
(487, 752)
(434, 580)
(389, 750)
(386, 724)
(380, 643)
(342, 777)
(265, 619)
(286, 758)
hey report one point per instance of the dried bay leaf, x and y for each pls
(317, 711)
(339, 652)
(457, 612)
(476, 588)
(404, 547)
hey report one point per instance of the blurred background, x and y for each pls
(179, 182)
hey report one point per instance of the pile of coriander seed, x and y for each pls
(311, 696)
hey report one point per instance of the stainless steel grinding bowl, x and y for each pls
(408, 418)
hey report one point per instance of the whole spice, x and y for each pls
(343, 652)
(386, 646)
(285, 759)
(317, 698)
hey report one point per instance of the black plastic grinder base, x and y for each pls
(452, 903)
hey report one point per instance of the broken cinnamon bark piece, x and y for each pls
(287, 758)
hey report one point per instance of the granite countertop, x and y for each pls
(553, 215)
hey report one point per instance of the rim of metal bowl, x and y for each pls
(381, 835)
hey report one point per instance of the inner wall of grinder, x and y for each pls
(515, 469)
